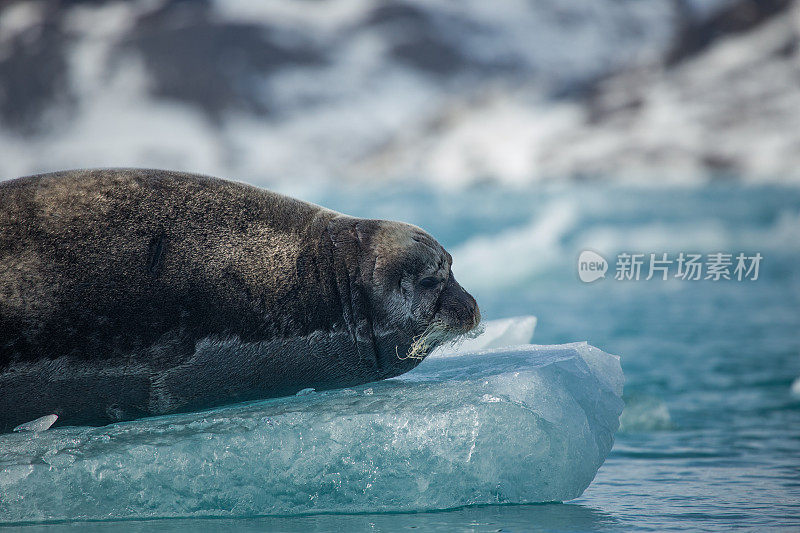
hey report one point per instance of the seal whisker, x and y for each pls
(435, 334)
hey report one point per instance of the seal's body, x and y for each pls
(128, 293)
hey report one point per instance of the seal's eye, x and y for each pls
(429, 282)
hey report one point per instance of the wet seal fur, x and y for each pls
(127, 293)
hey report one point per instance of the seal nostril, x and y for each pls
(467, 315)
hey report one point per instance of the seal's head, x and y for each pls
(415, 301)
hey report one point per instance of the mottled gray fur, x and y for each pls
(127, 293)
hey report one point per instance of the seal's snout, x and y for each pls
(457, 308)
(476, 313)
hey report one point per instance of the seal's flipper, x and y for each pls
(40, 424)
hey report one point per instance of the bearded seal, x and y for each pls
(127, 293)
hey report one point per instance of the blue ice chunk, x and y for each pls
(522, 424)
(494, 334)
(40, 424)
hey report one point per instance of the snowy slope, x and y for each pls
(451, 93)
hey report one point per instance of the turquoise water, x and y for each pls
(710, 438)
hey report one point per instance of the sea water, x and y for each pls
(709, 437)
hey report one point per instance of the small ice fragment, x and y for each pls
(644, 413)
(796, 387)
(40, 424)
(305, 392)
(500, 333)
(368, 392)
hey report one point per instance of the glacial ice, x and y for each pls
(795, 389)
(495, 334)
(506, 425)
(40, 424)
(644, 413)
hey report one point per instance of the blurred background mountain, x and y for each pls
(448, 93)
